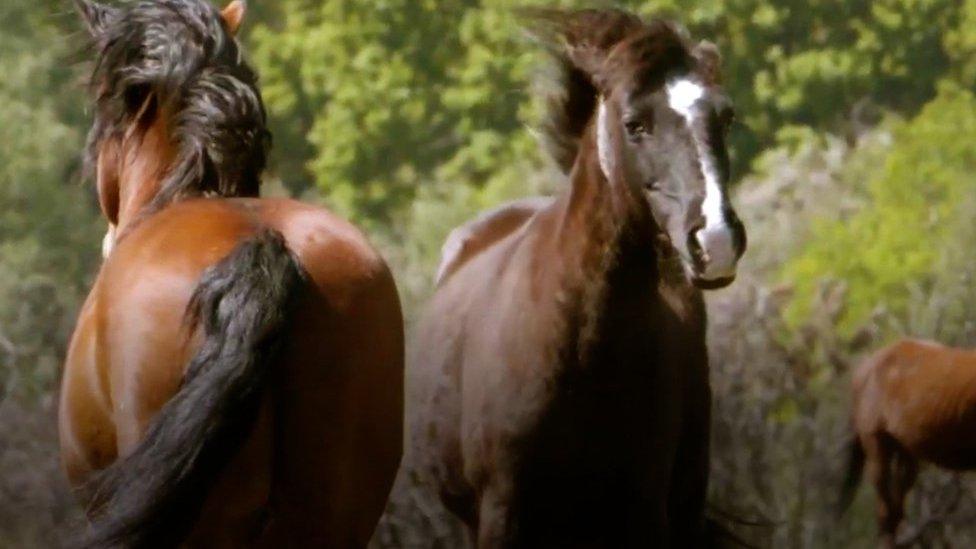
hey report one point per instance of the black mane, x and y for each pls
(568, 111)
(178, 56)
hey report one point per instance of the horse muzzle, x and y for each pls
(715, 252)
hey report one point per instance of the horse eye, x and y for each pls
(636, 128)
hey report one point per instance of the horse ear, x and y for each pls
(233, 15)
(96, 16)
(709, 61)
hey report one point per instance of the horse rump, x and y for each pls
(153, 496)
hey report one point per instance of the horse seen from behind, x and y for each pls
(913, 401)
(558, 391)
(235, 375)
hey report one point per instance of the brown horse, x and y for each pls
(235, 377)
(558, 392)
(912, 401)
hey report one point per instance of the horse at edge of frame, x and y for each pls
(912, 401)
(235, 377)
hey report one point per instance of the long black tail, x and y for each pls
(852, 477)
(152, 497)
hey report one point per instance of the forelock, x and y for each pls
(645, 59)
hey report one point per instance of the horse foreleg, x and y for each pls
(649, 526)
(495, 521)
(689, 482)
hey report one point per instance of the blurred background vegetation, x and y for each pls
(854, 156)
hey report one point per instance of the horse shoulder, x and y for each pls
(86, 430)
(472, 238)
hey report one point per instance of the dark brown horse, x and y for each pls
(558, 393)
(235, 377)
(912, 401)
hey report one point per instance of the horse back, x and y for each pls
(923, 395)
(479, 234)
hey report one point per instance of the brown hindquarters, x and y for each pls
(912, 401)
(338, 425)
(922, 395)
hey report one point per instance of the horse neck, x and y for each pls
(605, 244)
(145, 159)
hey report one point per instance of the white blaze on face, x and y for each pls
(682, 96)
(716, 237)
(603, 146)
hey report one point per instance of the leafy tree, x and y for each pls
(364, 81)
(960, 43)
(380, 96)
(49, 243)
(48, 228)
(792, 62)
(920, 202)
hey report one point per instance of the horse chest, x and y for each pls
(597, 420)
(627, 390)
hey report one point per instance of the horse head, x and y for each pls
(177, 110)
(660, 119)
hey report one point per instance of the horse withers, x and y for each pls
(235, 376)
(558, 389)
(913, 401)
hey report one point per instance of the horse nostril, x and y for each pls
(698, 254)
(714, 252)
(696, 226)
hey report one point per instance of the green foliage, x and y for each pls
(384, 94)
(960, 43)
(792, 62)
(373, 99)
(782, 380)
(48, 234)
(410, 117)
(919, 202)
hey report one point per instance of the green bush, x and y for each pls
(919, 203)
(373, 98)
(49, 237)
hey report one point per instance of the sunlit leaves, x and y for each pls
(920, 199)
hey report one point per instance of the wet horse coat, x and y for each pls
(558, 390)
(235, 375)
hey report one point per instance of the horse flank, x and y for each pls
(189, 452)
